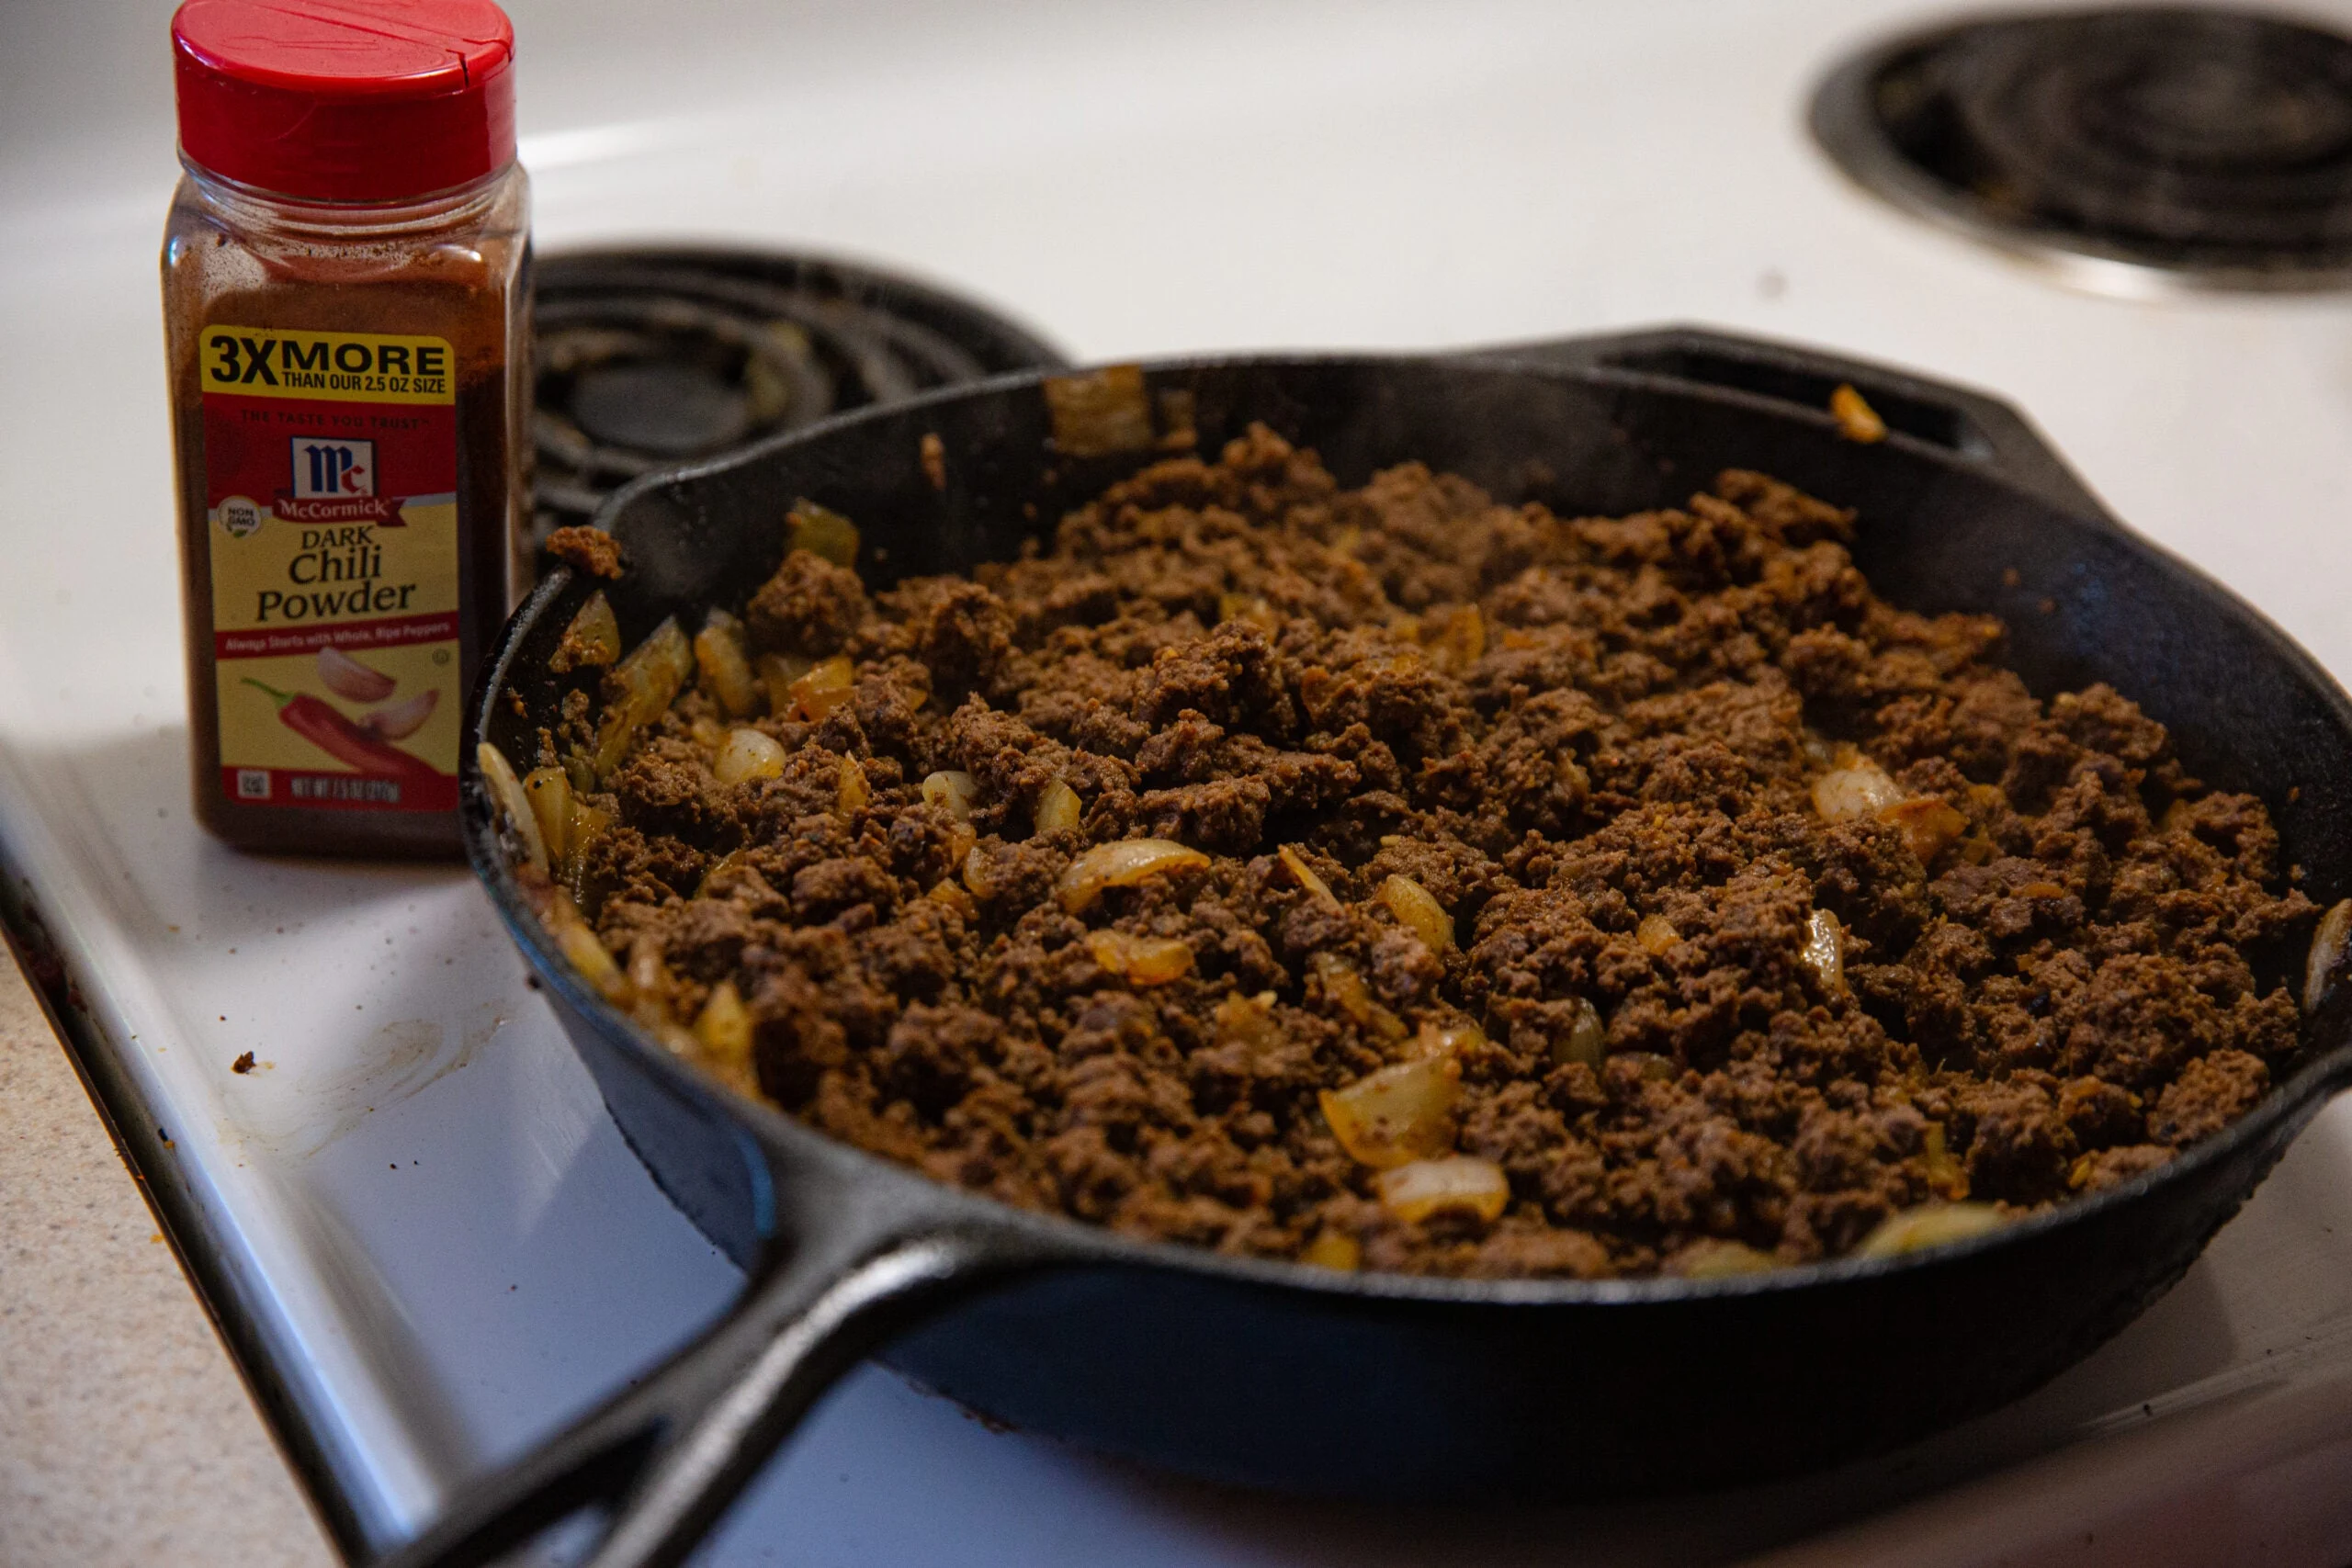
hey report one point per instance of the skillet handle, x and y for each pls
(1968, 423)
(856, 1264)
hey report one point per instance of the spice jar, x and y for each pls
(345, 298)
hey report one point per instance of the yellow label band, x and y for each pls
(269, 362)
(281, 573)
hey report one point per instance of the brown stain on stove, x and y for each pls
(399, 1060)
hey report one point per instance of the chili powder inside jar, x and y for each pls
(346, 279)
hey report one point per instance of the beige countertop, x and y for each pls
(126, 1436)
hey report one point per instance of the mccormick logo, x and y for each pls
(334, 481)
(324, 468)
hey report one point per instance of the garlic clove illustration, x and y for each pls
(397, 721)
(346, 677)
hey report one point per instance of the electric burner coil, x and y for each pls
(646, 359)
(2134, 149)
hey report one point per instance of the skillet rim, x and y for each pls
(1077, 1243)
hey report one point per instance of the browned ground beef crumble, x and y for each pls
(1604, 774)
(585, 549)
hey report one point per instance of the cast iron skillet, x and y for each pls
(1287, 1377)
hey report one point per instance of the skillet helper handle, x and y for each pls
(1962, 421)
(669, 1455)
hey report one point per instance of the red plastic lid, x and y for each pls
(346, 100)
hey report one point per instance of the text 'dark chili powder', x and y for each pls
(345, 292)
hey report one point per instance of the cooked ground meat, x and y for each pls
(1774, 911)
(585, 549)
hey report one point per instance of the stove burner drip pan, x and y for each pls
(651, 358)
(2134, 149)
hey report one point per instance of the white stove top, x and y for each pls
(444, 1242)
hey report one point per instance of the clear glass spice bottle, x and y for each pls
(346, 278)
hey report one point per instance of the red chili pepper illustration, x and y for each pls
(317, 722)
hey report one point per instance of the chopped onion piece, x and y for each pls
(1140, 960)
(1853, 787)
(1248, 1021)
(725, 670)
(1057, 808)
(1585, 1040)
(1926, 824)
(1655, 935)
(513, 805)
(1334, 1249)
(1418, 910)
(588, 823)
(549, 792)
(724, 1032)
(825, 687)
(748, 755)
(1397, 1114)
(1978, 851)
(1305, 875)
(2328, 945)
(593, 639)
(638, 690)
(1122, 863)
(1345, 989)
(1413, 1192)
(854, 791)
(820, 531)
(776, 672)
(1929, 1224)
(1455, 639)
(954, 898)
(1857, 420)
(1449, 1039)
(953, 790)
(585, 952)
(650, 982)
(1944, 1172)
(596, 965)
(1825, 950)
(975, 873)
(1097, 413)
(1341, 984)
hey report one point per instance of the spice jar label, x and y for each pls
(330, 471)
